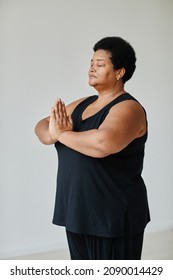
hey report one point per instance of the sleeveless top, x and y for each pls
(101, 196)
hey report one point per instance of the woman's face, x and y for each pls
(102, 75)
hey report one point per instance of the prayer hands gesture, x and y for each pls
(59, 121)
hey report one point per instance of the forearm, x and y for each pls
(61, 129)
(42, 132)
(89, 142)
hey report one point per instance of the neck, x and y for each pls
(110, 94)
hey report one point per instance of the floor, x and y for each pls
(157, 246)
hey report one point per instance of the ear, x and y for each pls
(120, 73)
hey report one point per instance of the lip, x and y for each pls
(92, 76)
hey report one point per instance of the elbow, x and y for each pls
(104, 145)
(36, 130)
(99, 154)
(102, 153)
(105, 148)
(45, 141)
(42, 138)
(102, 150)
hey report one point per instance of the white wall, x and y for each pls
(45, 51)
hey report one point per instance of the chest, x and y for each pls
(92, 109)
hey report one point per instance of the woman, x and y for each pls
(101, 197)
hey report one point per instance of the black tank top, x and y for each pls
(100, 196)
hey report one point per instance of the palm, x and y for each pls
(59, 121)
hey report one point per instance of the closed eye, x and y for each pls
(98, 65)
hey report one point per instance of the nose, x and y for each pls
(92, 68)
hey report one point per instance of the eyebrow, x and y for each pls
(98, 59)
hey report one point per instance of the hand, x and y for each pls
(59, 121)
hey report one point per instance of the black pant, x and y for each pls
(88, 247)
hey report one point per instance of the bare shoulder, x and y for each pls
(70, 107)
(129, 115)
(127, 107)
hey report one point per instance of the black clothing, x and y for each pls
(89, 247)
(100, 196)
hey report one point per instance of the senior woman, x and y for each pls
(101, 198)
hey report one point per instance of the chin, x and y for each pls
(92, 83)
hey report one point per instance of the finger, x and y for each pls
(56, 107)
(64, 110)
(52, 113)
(63, 114)
(60, 112)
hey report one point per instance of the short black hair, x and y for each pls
(121, 54)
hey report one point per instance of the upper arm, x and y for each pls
(125, 122)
